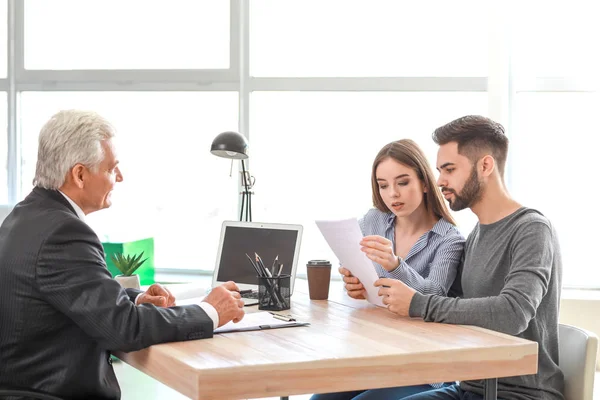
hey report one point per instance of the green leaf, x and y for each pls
(136, 259)
(135, 266)
(128, 264)
(117, 259)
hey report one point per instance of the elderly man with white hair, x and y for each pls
(61, 313)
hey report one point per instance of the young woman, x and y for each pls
(409, 235)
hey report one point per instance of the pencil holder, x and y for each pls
(274, 293)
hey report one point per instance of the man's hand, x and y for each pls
(227, 301)
(355, 289)
(397, 296)
(157, 295)
(380, 250)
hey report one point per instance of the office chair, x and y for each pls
(577, 359)
(29, 394)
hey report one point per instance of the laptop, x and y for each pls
(268, 240)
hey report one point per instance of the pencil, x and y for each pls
(254, 266)
(274, 263)
(269, 285)
(262, 264)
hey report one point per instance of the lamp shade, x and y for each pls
(230, 145)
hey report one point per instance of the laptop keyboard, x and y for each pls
(251, 295)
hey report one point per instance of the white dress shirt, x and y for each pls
(208, 308)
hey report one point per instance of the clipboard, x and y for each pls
(258, 321)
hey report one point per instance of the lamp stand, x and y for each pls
(246, 206)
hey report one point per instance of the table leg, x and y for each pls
(490, 389)
(284, 398)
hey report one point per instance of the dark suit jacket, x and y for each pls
(61, 313)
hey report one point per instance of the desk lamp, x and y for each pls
(235, 146)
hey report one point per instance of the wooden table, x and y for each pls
(350, 345)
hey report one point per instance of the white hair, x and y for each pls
(70, 137)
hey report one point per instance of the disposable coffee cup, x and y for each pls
(319, 275)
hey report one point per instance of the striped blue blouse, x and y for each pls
(431, 264)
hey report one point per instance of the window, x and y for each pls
(553, 154)
(555, 40)
(174, 189)
(555, 132)
(3, 37)
(133, 34)
(312, 152)
(341, 38)
(327, 85)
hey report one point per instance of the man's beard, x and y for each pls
(470, 194)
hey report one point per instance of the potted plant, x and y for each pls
(128, 265)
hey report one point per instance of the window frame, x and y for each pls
(21, 80)
(501, 84)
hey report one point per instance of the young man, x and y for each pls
(511, 274)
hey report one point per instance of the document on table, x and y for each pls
(259, 321)
(192, 300)
(183, 291)
(344, 238)
(255, 321)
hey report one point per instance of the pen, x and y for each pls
(282, 318)
(261, 327)
(281, 315)
(280, 268)
(245, 291)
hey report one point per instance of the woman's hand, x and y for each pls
(355, 289)
(381, 251)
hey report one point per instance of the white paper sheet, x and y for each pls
(186, 302)
(183, 291)
(257, 321)
(344, 238)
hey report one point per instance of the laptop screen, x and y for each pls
(267, 240)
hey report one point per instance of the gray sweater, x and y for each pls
(510, 282)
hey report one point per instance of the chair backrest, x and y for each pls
(577, 359)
